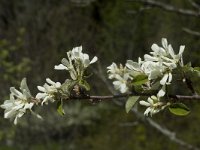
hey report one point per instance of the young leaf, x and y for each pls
(60, 109)
(196, 68)
(130, 102)
(85, 85)
(140, 79)
(179, 109)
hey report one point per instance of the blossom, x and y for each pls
(19, 102)
(136, 66)
(120, 76)
(161, 63)
(153, 104)
(166, 53)
(121, 83)
(84, 58)
(76, 63)
(114, 70)
(48, 91)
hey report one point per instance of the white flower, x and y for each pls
(18, 103)
(153, 104)
(120, 75)
(76, 63)
(136, 66)
(152, 69)
(114, 70)
(121, 83)
(166, 53)
(48, 91)
(78, 55)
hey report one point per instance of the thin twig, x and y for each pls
(118, 96)
(192, 32)
(168, 7)
(194, 4)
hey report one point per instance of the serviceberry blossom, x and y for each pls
(48, 91)
(76, 63)
(153, 104)
(120, 75)
(158, 67)
(19, 102)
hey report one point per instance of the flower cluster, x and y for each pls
(154, 105)
(120, 75)
(76, 63)
(21, 101)
(157, 66)
(49, 91)
(18, 103)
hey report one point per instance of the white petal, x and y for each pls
(16, 92)
(7, 104)
(57, 84)
(28, 106)
(150, 100)
(9, 113)
(164, 79)
(73, 74)
(171, 51)
(164, 43)
(147, 111)
(150, 58)
(162, 91)
(155, 48)
(50, 81)
(46, 99)
(65, 62)
(15, 121)
(86, 62)
(133, 65)
(26, 94)
(170, 78)
(123, 88)
(181, 50)
(94, 60)
(41, 88)
(60, 67)
(20, 114)
(144, 103)
(154, 74)
(41, 95)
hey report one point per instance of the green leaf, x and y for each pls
(60, 109)
(140, 79)
(187, 67)
(131, 102)
(85, 85)
(68, 86)
(179, 109)
(197, 69)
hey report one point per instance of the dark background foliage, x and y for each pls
(35, 35)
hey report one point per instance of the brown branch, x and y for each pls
(168, 7)
(194, 4)
(117, 96)
(192, 32)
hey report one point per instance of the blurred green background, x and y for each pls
(36, 34)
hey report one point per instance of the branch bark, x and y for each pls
(192, 32)
(117, 96)
(168, 7)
